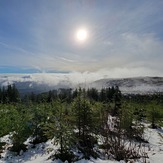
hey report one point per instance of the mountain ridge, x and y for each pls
(133, 85)
(42, 83)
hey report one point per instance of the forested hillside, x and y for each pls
(83, 123)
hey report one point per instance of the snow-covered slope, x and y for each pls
(155, 150)
(133, 85)
(42, 151)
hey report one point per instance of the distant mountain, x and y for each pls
(38, 83)
(135, 85)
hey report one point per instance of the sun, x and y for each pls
(81, 35)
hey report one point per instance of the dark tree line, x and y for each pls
(67, 95)
(9, 94)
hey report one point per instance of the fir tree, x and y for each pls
(59, 127)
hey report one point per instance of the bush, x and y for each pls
(155, 114)
(64, 156)
(17, 147)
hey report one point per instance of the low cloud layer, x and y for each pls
(74, 78)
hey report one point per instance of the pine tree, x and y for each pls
(20, 126)
(117, 101)
(154, 114)
(15, 94)
(93, 94)
(83, 114)
(83, 121)
(60, 128)
(103, 95)
(0, 95)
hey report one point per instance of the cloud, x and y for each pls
(125, 37)
(74, 79)
(128, 51)
(120, 39)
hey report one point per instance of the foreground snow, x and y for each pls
(42, 151)
(155, 150)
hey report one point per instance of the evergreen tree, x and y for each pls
(93, 94)
(1, 95)
(20, 126)
(9, 94)
(83, 121)
(60, 128)
(103, 95)
(155, 114)
(15, 94)
(117, 101)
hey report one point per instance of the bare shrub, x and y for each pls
(118, 146)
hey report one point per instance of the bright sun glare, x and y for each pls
(81, 35)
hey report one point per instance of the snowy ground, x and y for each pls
(155, 151)
(42, 151)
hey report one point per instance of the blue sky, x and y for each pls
(125, 36)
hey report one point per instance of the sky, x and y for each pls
(125, 37)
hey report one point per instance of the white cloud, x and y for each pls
(76, 78)
(123, 39)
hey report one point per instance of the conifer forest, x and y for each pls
(89, 122)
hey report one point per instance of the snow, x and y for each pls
(155, 152)
(42, 151)
(97, 161)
